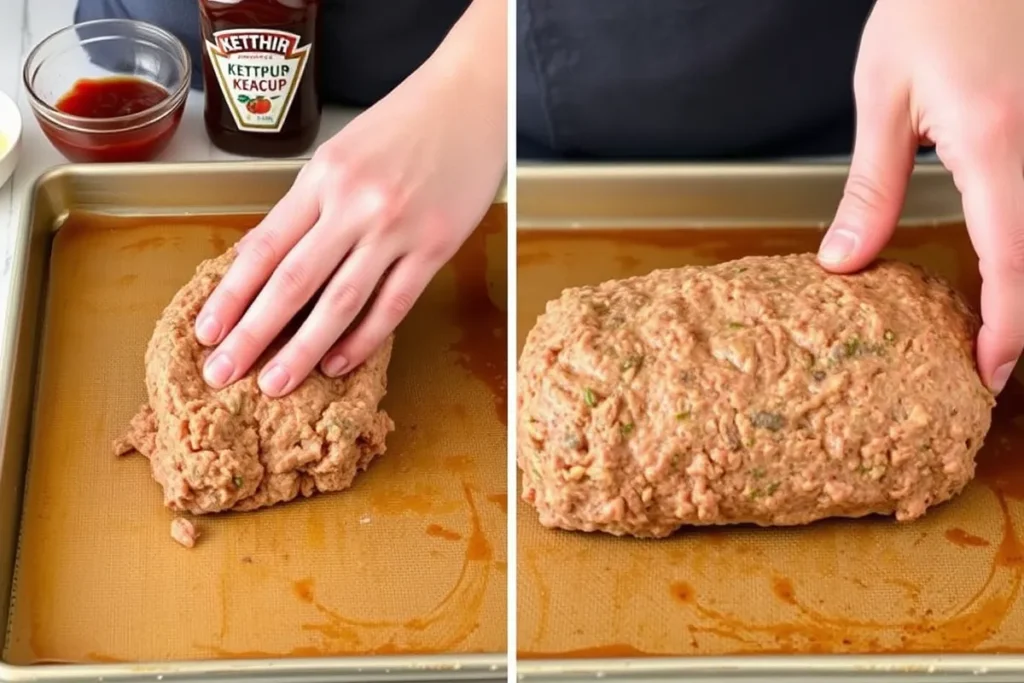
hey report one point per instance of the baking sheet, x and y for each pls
(950, 583)
(410, 561)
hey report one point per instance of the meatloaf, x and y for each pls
(762, 390)
(234, 448)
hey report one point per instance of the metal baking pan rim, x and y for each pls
(17, 294)
(182, 167)
(928, 157)
(357, 668)
(988, 667)
(788, 168)
(633, 195)
(404, 668)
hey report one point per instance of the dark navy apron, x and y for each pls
(367, 47)
(686, 79)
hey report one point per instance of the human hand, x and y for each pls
(950, 73)
(388, 200)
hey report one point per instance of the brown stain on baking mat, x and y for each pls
(949, 583)
(98, 577)
(403, 635)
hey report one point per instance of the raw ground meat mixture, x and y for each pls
(184, 532)
(234, 448)
(763, 390)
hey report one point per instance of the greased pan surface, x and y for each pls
(835, 597)
(403, 576)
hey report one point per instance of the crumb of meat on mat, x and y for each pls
(184, 532)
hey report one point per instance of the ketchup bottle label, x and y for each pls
(258, 71)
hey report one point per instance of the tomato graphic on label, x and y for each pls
(259, 72)
(258, 104)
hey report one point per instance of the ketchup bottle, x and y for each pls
(260, 75)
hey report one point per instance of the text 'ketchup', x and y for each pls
(259, 71)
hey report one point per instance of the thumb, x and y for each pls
(883, 157)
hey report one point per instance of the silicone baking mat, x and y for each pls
(412, 559)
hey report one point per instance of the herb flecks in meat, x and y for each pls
(855, 347)
(763, 419)
(631, 362)
(851, 348)
(767, 491)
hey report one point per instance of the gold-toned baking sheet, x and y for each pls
(411, 560)
(949, 583)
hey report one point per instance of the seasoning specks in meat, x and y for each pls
(770, 421)
(235, 448)
(772, 393)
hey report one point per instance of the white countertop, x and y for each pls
(25, 23)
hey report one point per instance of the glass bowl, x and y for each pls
(103, 49)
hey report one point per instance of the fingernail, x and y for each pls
(208, 330)
(218, 370)
(335, 366)
(839, 243)
(1001, 376)
(274, 380)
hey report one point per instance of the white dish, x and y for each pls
(10, 137)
